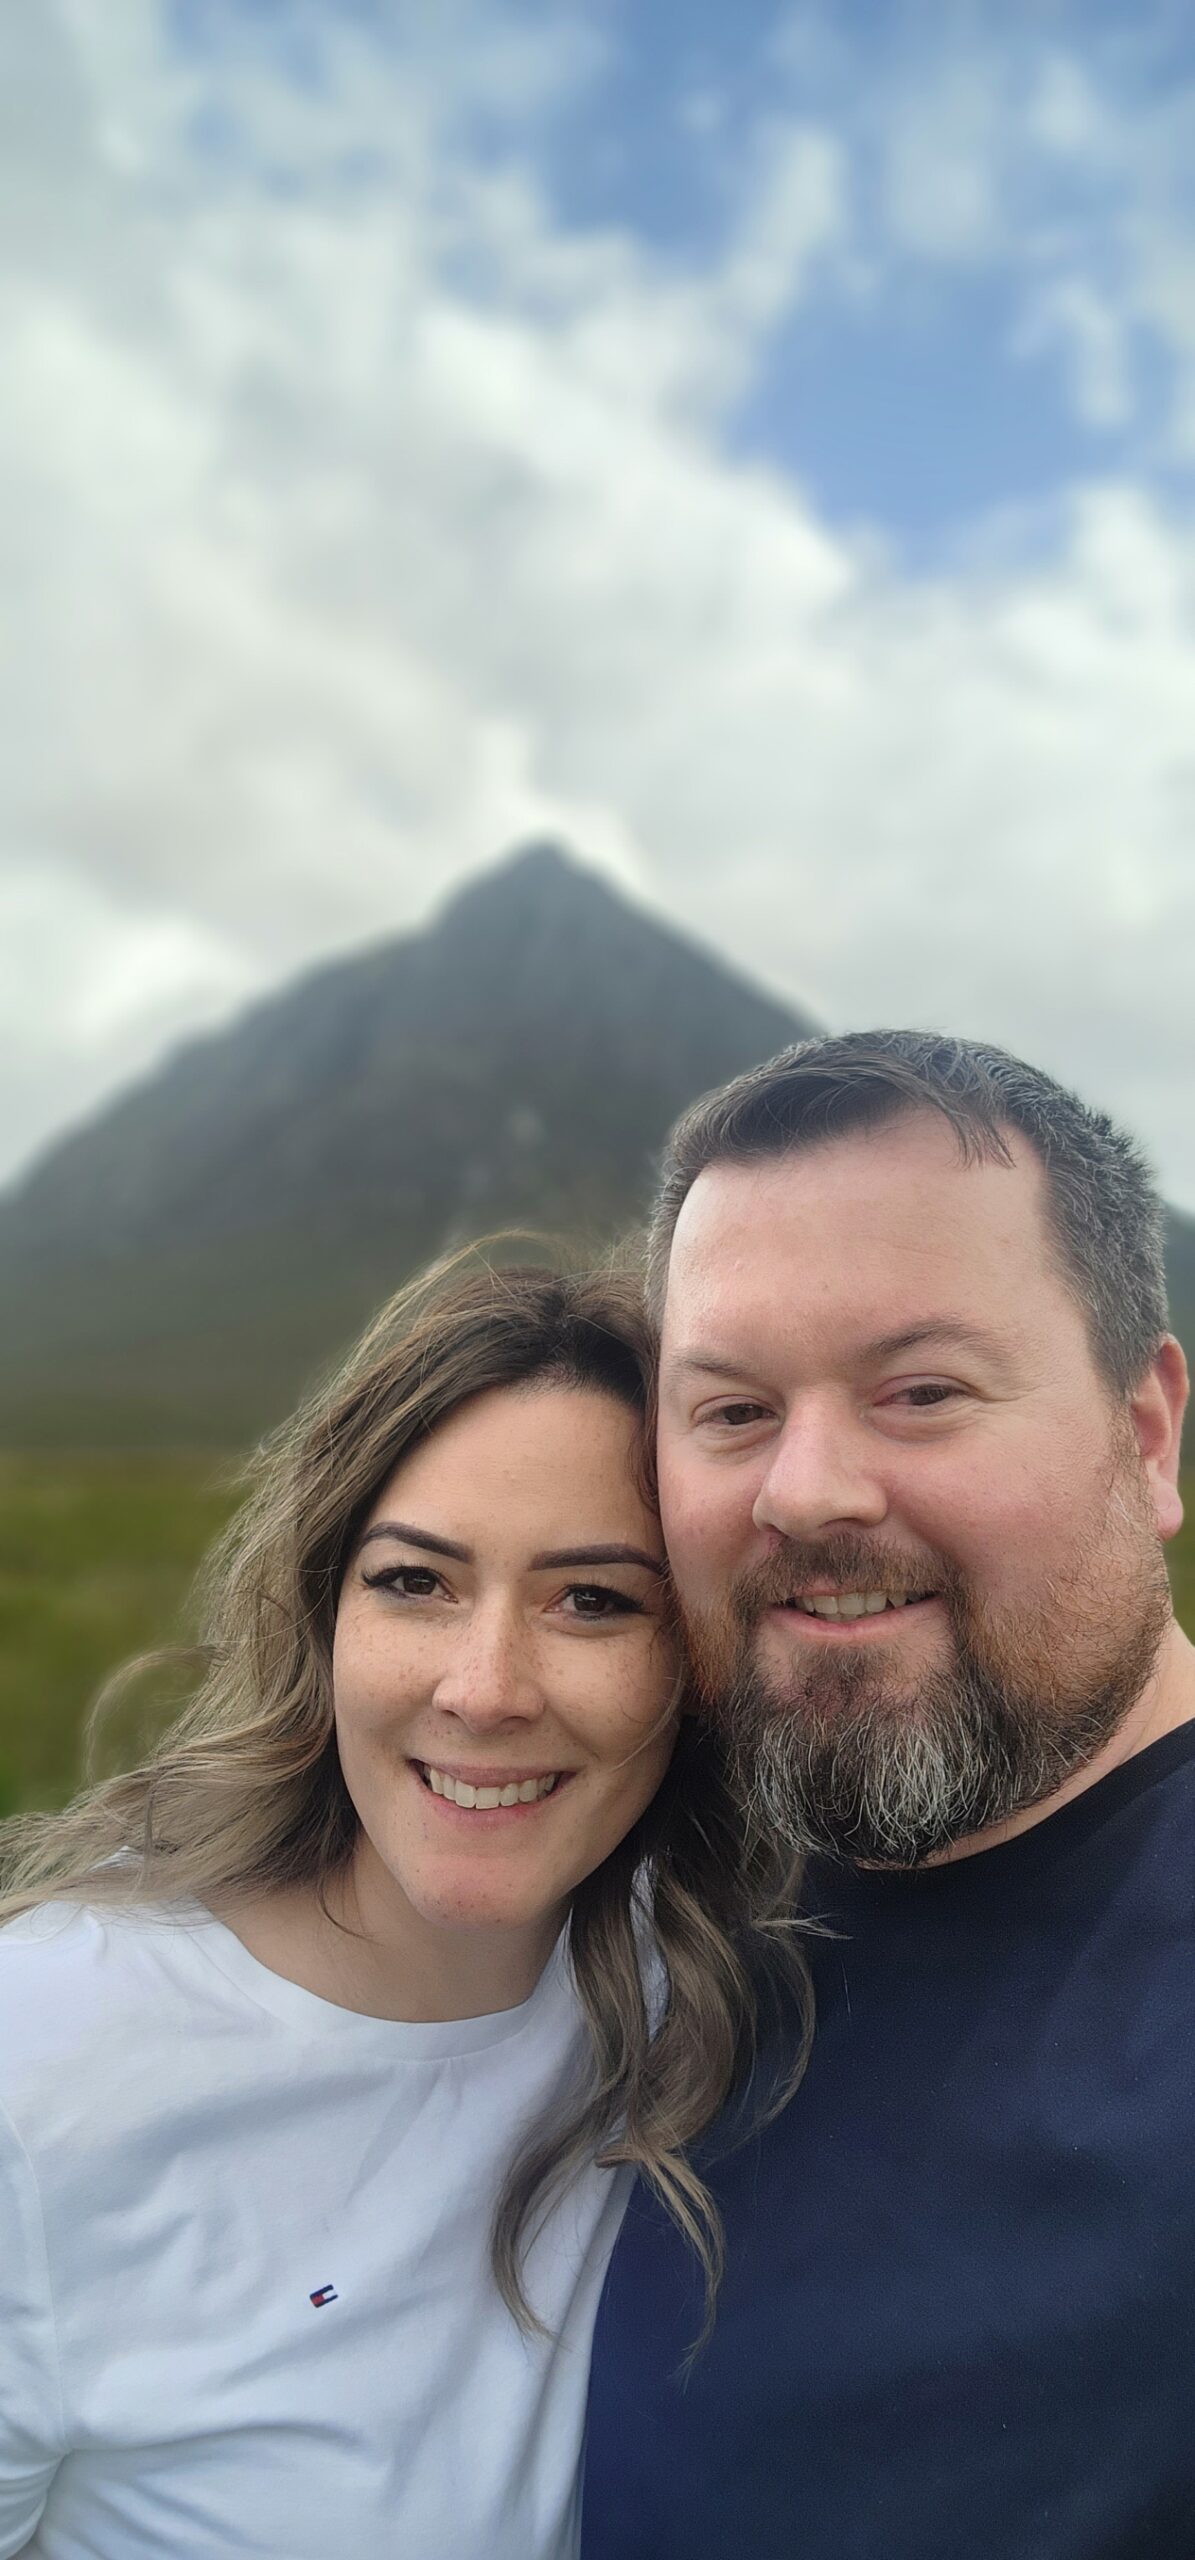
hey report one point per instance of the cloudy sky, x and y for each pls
(754, 442)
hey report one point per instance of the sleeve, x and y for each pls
(32, 2432)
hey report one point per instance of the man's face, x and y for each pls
(913, 1536)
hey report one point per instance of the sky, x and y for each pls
(752, 443)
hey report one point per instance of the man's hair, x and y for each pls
(1103, 1208)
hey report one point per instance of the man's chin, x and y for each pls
(810, 1679)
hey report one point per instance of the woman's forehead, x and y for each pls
(507, 1458)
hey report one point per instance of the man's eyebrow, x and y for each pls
(421, 1538)
(946, 1329)
(705, 1365)
(887, 1346)
(556, 1556)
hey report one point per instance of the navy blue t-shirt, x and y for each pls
(958, 2317)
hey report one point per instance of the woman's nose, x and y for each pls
(491, 1678)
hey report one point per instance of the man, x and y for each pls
(919, 1431)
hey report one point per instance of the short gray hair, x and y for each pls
(1103, 1204)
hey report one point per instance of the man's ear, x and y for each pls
(1157, 1410)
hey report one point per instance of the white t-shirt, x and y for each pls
(246, 2305)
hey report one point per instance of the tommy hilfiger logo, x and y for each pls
(327, 2293)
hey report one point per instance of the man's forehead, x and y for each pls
(888, 1225)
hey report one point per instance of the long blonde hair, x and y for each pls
(244, 1793)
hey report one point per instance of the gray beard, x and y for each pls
(878, 1781)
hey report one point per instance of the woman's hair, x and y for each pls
(244, 1793)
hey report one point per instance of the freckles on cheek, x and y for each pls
(367, 1687)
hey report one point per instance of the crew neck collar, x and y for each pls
(400, 2038)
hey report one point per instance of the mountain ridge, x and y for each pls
(174, 1270)
(178, 1266)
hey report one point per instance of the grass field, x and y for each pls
(97, 1556)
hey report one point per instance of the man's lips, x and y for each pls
(808, 1618)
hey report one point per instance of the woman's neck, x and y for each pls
(365, 1947)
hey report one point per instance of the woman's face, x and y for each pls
(501, 1633)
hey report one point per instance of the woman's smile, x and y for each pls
(493, 1791)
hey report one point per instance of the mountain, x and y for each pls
(174, 1271)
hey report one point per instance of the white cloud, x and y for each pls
(90, 989)
(942, 173)
(361, 516)
(795, 210)
(1094, 338)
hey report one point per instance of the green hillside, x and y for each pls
(98, 1557)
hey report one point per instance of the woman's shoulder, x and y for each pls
(47, 1950)
(81, 1986)
(63, 1937)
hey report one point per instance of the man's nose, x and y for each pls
(491, 1678)
(822, 1475)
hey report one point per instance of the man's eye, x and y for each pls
(932, 1392)
(737, 1415)
(407, 1581)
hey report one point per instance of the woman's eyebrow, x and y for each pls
(421, 1538)
(549, 1559)
(595, 1555)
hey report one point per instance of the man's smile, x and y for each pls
(859, 1616)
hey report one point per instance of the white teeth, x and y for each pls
(848, 1604)
(485, 1799)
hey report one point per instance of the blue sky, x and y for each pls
(917, 384)
(755, 444)
(979, 335)
(915, 393)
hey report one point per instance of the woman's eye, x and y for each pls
(407, 1581)
(597, 1600)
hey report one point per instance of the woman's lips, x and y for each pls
(486, 1793)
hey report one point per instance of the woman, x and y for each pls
(313, 2029)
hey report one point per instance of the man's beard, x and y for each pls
(842, 1755)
